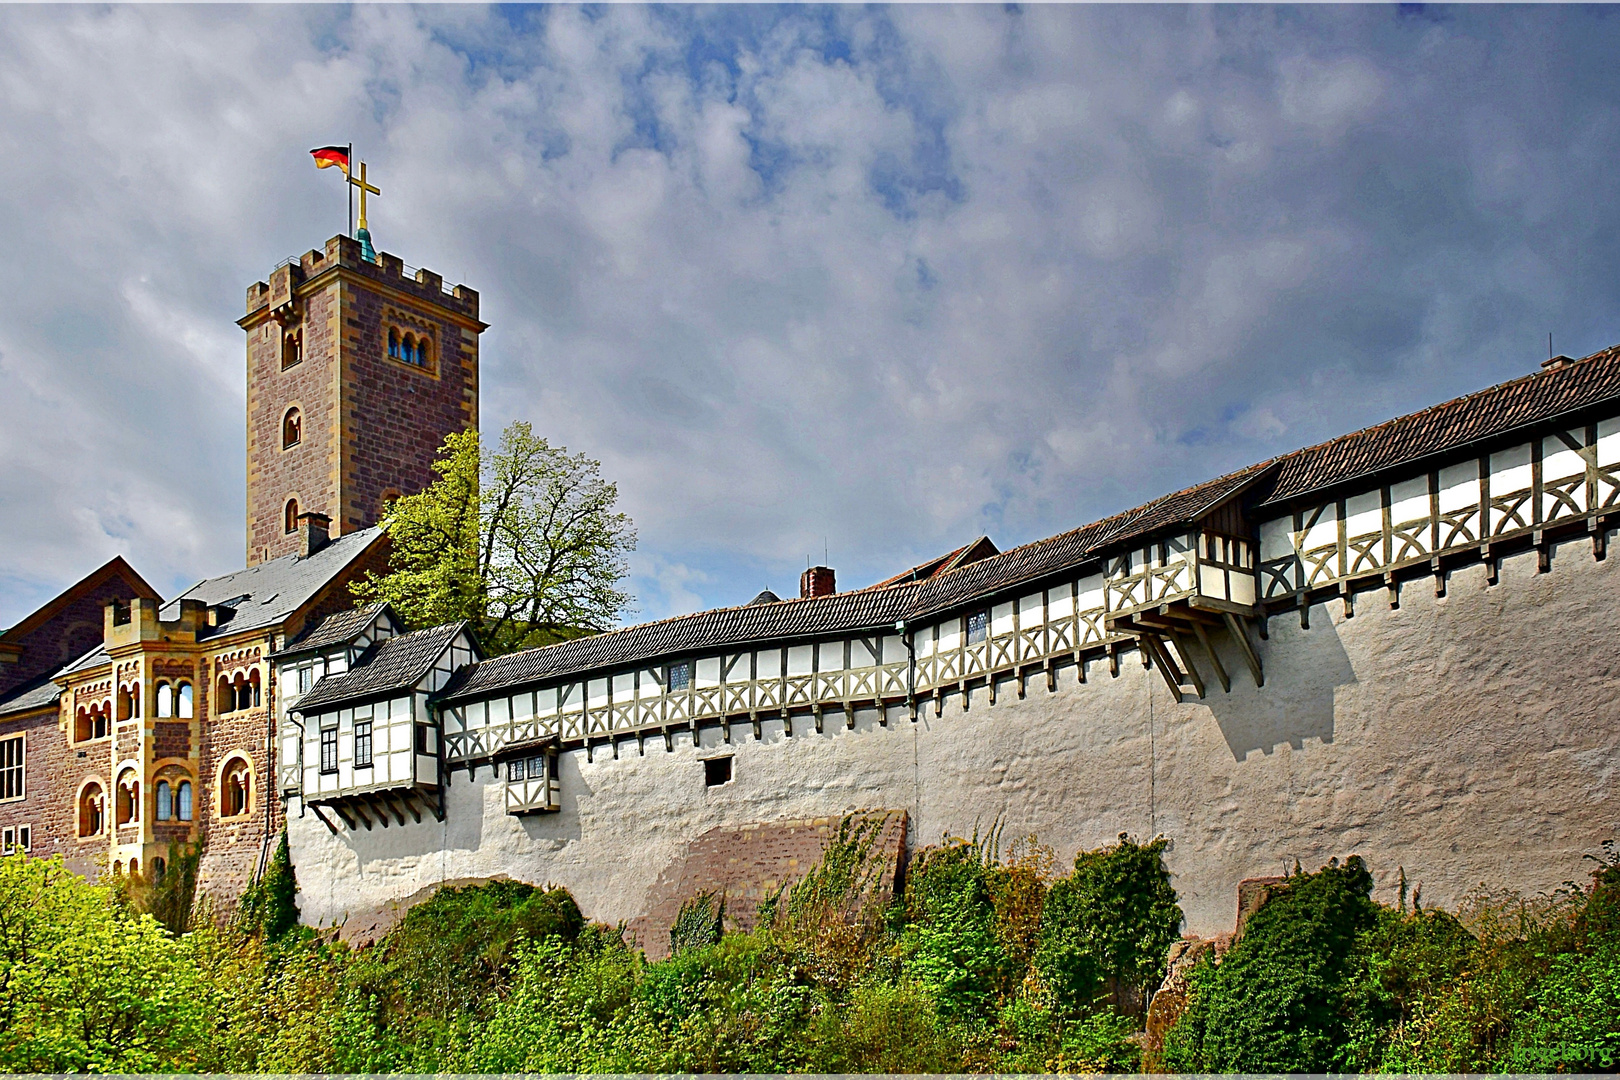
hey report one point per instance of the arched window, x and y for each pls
(134, 868)
(82, 725)
(126, 703)
(158, 868)
(423, 358)
(409, 349)
(183, 701)
(291, 514)
(235, 788)
(182, 800)
(165, 700)
(292, 348)
(292, 429)
(393, 343)
(165, 801)
(129, 797)
(92, 806)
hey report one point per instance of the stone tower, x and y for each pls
(355, 374)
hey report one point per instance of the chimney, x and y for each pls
(1553, 363)
(817, 581)
(312, 534)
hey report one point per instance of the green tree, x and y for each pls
(86, 984)
(524, 543)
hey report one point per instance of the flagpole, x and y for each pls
(346, 172)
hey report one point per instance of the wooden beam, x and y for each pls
(1214, 658)
(391, 802)
(359, 812)
(1152, 647)
(1236, 628)
(325, 820)
(1186, 658)
(409, 799)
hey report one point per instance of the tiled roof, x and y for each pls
(872, 609)
(395, 663)
(1069, 550)
(267, 594)
(1499, 410)
(1495, 411)
(338, 629)
(36, 697)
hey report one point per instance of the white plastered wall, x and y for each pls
(1471, 738)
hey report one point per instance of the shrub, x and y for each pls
(1275, 1003)
(1108, 926)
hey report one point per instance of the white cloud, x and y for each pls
(889, 278)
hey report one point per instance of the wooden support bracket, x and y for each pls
(1393, 587)
(1186, 658)
(325, 820)
(1152, 645)
(1236, 628)
(1214, 657)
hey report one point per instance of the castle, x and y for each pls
(1399, 643)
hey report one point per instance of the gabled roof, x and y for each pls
(338, 629)
(267, 594)
(982, 548)
(1449, 426)
(113, 567)
(391, 665)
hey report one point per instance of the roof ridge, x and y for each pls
(1545, 373)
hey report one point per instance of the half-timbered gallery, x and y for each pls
(1400, 643)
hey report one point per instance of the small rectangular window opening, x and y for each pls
(680, 675)
(329, 750)
(978, 626)
(716, 771)
(25, 837)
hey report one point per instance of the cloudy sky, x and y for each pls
(874, 280)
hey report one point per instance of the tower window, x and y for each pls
(292, 349)
(292, 429)
(410, 347)
(291, 524)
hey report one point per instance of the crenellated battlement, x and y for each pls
(139, 621)
(342, 252)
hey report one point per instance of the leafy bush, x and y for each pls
(1275, 1003)
(1109, 925)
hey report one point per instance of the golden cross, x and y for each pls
(364, 187)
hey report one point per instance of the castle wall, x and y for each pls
(47, 806)
(1470, 738)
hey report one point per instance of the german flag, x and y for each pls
(327, 156)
